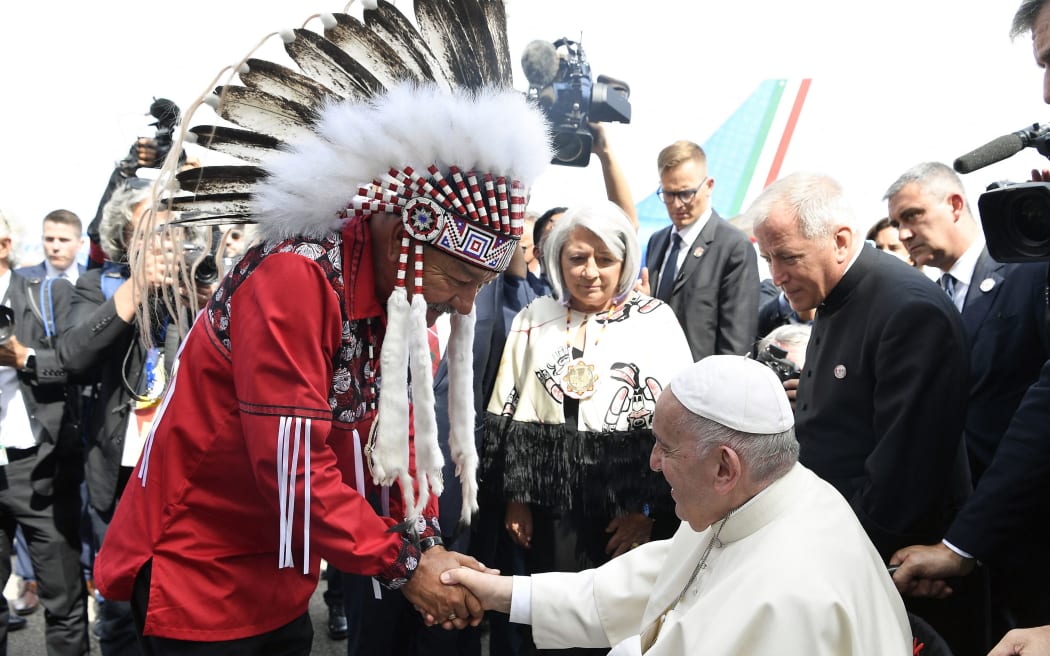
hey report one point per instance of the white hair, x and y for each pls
(816, 200)
(607, 222)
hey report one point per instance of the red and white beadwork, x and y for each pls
(473, 216)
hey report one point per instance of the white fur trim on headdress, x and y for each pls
(412, 125)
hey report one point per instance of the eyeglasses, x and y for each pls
(686, 196)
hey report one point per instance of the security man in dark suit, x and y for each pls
(879, 407)
(1003, 307)
(704, 268)
(41, 462)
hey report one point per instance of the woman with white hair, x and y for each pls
(568, 427)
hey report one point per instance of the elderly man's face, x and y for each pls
(450, 284)
(690, 474)
(805, 269)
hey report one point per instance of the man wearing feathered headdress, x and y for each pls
(297, 390)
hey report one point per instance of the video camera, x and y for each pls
(560, 81)
(775, 358)
(1015, 216)
(1016, 220)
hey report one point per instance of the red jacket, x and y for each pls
(248, 477)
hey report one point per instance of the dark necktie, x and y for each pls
(667, 276)
(948, 285)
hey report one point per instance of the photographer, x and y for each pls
(1011, 495)
(40, 457)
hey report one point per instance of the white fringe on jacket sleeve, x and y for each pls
(287, 468)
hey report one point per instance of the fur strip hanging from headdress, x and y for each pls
(461, 441)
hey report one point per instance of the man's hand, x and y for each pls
(13, 353)
(1024, 642)
(518, 522)
(599, 145)
(922, 570)
(493, 590)
(145, 152)
(1040, 176)
(450, 606)
(628, 531)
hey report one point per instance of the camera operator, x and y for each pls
(40, 456)
(1011, 495)
(129, 379)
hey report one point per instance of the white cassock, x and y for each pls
(794, 574)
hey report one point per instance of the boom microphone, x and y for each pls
(539, 61)
(1003, 147)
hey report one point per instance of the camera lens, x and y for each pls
(568, 146)
(1031, 224)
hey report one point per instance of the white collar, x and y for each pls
(964, 267)
(51, 271)
(691, 231)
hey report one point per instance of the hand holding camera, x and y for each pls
(776, 359)
(560, 82)
(150, 152)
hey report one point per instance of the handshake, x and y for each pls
(454, 590)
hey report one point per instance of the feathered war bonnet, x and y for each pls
(383, 117)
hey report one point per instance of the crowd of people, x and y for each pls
(823, 433)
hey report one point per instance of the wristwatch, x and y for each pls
(432, 541)
(30, 364)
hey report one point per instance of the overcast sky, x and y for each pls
(894, 82)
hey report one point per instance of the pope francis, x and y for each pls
(769, 558)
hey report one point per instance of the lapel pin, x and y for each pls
(840, 371)
(987, 284)
(698, 251)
